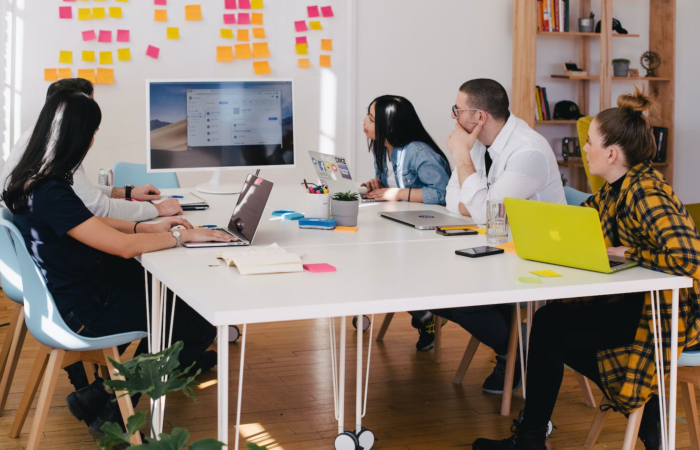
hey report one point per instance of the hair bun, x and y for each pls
(637, 102)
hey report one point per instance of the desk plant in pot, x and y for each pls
(621, 67)
(345, 208)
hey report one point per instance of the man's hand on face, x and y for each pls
(460, 142)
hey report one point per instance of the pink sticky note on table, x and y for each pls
(313, 11)
(230, 4)
(105, 36)
(302, 40)
(229, 18)
(319, 268)
(327, 11)
(65, 12)
(300, 25)
(153, 52)
(122, 35)
(243, 19)
(89, 35)
(160, 2)
(244, 4)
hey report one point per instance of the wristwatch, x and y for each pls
(176, 235)
(128, 188)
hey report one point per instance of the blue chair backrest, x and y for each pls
(10, 275)
(575, 197)
(136, 174)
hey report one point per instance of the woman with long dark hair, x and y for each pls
(409, 165)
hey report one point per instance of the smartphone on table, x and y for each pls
(449, 232)
(478, 252)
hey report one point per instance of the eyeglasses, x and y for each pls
(456, 110)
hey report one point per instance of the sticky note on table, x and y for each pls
(124, 54)
(304, 63)
(300, 25)
(243, 51)
(508, 246)
(313, 11)
(160, 2)
(193, 12)
(261, 50)
(106, 58)
(243, 35)
(99, 13)
(153, 52)
(481, 230)
(226, 33)
(327, 11)
(122, 35)
(65, 57)
(87, 74)
(65, 12)
(325, 61)
(262, 68)
(327, 45)
(243, 18)
(531, 280)
(230, 4)
(319, 268)
(105, 36)
(256, 19)
(115, 12)
(64, 73)
(302, 40)
(302, 49)
(546, 273)
(105, 76)
(88, 56)
(259, 33)
(173, 33)
(84, 14)
(50, 74)
(256, 4)
(89, 35)
(224, 54)
(160, 15)
(346, 229)
(315, 25)
(244, 4)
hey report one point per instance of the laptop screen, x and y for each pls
(251, 204)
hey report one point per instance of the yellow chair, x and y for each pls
(582, 126)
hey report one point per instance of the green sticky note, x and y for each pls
(531, 280)
(545, 273)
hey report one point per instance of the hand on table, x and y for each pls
(617, 251)
(144, 193)
(389, 194)
(372, 185)
(169, 207)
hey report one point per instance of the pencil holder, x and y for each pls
(318, 206)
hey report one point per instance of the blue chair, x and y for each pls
(130, 173)
(60, 347)
(573, 196)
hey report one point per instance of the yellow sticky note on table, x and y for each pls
(481, 230)
(302, 49)
(327, 45)
(530, 280)
(508, 246)
(304, 63)
(64, 73)
(160, 15)
(115, 12)
(325, 61)
(193, 12)
(87, 74)
(546, 273)
(105, 76)
(261, 50)
(124, 54)
(50, 75)
(256, 4)
(256, 19)
(65, 57)
(315, 25)
(243, 35)
(224, 54)
(243, 51)
(106, 58)
(226, 34)
(346, 229)
(98, 13)
(262, 67)
(84, 14)
(259, 33)
(173, 33)
(88, 56)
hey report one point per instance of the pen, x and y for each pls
(207, 226)
(176, 196)
(306, 185)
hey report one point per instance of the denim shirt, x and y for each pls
(417, 166)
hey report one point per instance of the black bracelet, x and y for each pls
(136, 223)
(409, 194)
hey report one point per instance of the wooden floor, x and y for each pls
(288, 396)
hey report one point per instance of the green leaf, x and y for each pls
(136, 422)
(175, 441)
(207, 444)
(113, 436)
(253, 446)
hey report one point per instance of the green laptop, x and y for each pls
(560, 234)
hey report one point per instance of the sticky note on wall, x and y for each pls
(243, 51)
(327, 45)
(226, 33)
(124, 54)
(256, 4)
(160, 2)
(304, 63)
(261, 50)
(262, 67)
(193, 12)
(106, 58)
(325, 61)
(153, 52)
(173, 33)
(105, 76)
(244, 4)
(64, 73)
(105, 36)
(50, 74)
(87, 74)
(259, 33)
(243, 35)
(115, 12)
(243, 19)
(327, 11)
(89, 35)
(84, 14)
(160, 15)
(224, 54)
(256, 19)
(302, 49)
(122, 35)
(315, 25)
(300, 25)
(313, 11)
(65, 12)
(65, 57)
(229, 19)
(88, 56)
(302, 40)
(99, 13)
(230, 4)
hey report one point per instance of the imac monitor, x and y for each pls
(219, 125)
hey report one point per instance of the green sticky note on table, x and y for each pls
(531, 280)
(545, 273)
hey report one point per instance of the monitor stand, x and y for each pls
(214, 186)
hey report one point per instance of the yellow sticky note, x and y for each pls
(84, 14)
(327, 45)
(256, 4)
(325, 61)
(346, 229)
(226, 34)
(302, 49)
(224, 54)
(243, 51)
(304, 63)
(88, 56)
(243, 35)
(315, 25)
(98, 13)
(50, 75)
(65, 57)
(115, 12)
(87, 74)
(105, 57)
(122, 1)
(262, 67)
(64, 73)
(105, 76)
(546, 273)
(531, 280)
(193, 12)
(260, 50)
(160, 15)
(173, 33)
(481, 230)
(259, 33)
(124, 54)
(256, 19)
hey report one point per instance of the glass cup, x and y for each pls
(496, 222)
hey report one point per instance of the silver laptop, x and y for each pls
(334, 173)
(426, 220)
(246, 215)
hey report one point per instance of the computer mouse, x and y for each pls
(363, 190)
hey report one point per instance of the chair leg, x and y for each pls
(466, 360)
(10, 359)
(125, 405)
(597, 425)
(89, 371)
(104, 372)
(42, 410)
(691, 414)
(632, 429)
(585, 390)
(385, 326)
(438, 338)
(510, 363)
(35, 376)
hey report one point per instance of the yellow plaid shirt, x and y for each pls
(653, 222)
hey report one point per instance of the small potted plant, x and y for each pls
(621, 67)
(345, 207)
(587, 24)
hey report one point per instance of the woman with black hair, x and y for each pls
(409, 165)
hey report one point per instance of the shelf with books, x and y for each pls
(578, 33)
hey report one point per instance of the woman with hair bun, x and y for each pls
(609, 339)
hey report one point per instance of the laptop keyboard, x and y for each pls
(615, 263)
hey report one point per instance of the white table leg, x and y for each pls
(358, 385)
(341, 377)
(222, 383)
(155, 346)
(674, 371)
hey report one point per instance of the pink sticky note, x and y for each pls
(300, 25)
(327, 11)
(153, 52)
(65, 12)
(230, 4)
(244, 4)
(68, 0)
(302, 40)
(160, 2)
(89, 35)
(105, 36)
(243, 18)
(313, 11)
(229, 18)
(319, 268)
(122, 35)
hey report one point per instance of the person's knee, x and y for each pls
(545, 319)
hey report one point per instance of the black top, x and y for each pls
(616, 186)
(488, 161)
(74, 272)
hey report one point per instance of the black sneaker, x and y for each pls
(494, 383)
(650, 427)
(110, 413)
(206, 362)
(426, 333)
(522, 439)
(86, 404)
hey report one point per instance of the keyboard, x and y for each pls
(615, 264)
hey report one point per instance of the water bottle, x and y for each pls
(102, 177)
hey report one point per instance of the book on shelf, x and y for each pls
(546, 104)
(553, 15)
(542, 112)
(661, 138)
(538, 103)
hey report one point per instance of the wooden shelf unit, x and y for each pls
(662, 40)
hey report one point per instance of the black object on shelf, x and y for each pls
(567, 110)
(661, 138)
(616, 26)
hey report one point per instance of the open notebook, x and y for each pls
(261, 260)
(187, 200)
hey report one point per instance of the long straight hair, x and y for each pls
(396, 122)
(58, 145)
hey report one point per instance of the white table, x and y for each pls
(400, 269)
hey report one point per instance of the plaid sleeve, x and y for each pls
(594, 200)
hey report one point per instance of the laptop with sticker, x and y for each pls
(333, 172)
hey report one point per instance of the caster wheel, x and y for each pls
(233, 333)
(346, 441)
(365, 323)
(550, 428)
(366, 439)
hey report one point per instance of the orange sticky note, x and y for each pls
(106, 58)
(304, 63)
(124, 54)
(64, 73)
(115, 12)
(98, 13)
(65, 57)
(87, 74)
(256, 19)
(262, 67)
(243, 51)
(50, 75)
(226, 34)
(224, 54)
(315, 25)
(243, 35)
(259, 33)
(302, 49)
(193, 12)
(325, 61)
(327, 45)
(84, 14)
(508, 246)
(105, 76)
(173, 33)
(160, 15)
(256, 4)
(88, 56)
(260, 50)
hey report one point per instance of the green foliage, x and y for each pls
(592, 15)
(345, 196)
(252, 446)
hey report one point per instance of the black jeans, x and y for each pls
(573, 334)
(490, 324)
